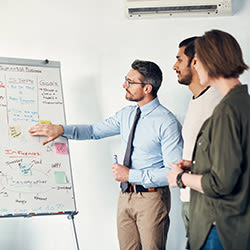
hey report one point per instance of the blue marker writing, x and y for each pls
(115, 159)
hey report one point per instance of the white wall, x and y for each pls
(96, 44)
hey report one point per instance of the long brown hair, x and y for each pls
(220, 54)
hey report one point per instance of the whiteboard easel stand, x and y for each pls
(71, 217)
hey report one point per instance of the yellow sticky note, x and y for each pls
(15, 131)
(60, 177)
(45, 122)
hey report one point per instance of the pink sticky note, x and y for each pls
(61, 148)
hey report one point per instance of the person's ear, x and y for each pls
(148, 89)
(193, 62)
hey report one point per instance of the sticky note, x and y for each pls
(45, 122)
(24, 169)
(15, 131)
(60, 177)
(61, 148)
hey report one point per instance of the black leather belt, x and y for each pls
(139, 188)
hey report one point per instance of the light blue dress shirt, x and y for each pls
(157, 140)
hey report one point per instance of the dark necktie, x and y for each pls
(129, 150)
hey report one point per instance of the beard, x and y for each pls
(132, 98)
(186, 80)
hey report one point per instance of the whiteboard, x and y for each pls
(34, 179)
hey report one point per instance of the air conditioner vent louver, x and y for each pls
(138, 11)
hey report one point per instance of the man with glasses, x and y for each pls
(150, 138)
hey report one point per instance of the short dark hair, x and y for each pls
(220, 54)
(190, 48)
(151, 72)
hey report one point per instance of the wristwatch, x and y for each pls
(179, 182)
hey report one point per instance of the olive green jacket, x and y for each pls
(222, 156)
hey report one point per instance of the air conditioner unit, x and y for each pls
(172, 8)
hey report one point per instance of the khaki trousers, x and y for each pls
(143, 220)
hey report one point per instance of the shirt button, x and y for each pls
(199, 143)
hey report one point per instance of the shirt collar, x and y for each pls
(147, 108)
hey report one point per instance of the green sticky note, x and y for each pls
(60, 177)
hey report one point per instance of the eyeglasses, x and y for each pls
(128, 83)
